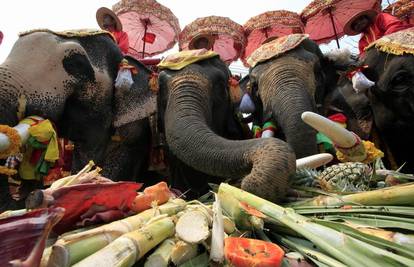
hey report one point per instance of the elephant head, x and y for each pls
(68, 77)
(391, 66)
(290, 80)
(199, 118)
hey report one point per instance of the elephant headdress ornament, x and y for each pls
(276, 48)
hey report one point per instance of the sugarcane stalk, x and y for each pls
(126, 250)
(183, 252)
(344, 248)
(66, 181)
(70, 249)
(162, 255)
(12, 213)
(192, 227)
(402, 195)
(312, 254)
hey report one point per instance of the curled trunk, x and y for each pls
(286, 88)
(265, 164)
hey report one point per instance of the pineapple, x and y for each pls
(346, 177)
(305, 177)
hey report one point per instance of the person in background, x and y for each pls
(373, 25)
(109, 21)
(204, 41)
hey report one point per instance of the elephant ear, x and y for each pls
(138, 101)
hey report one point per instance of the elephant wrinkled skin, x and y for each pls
(199, 123)
(70, 80)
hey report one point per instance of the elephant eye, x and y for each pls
(400, 82)
(78, 65)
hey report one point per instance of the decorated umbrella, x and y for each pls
(325, 19)
(403, 9)
(226, 36)
(152, 28)
(270, 24)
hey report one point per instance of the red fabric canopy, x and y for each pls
(228, 36)
(152, 28)
(325, 19)
(276, 23)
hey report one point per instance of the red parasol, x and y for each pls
(403, 9)
(227, 36)
(267, 25)
(152, 28)
(325, 19)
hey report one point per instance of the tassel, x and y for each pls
(269, 129)
(257, 131)
(153, 83)
(124, 78)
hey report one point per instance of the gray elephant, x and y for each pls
(289, 76)
(200, 129)
(390, 62)
(68, 77)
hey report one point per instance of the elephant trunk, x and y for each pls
(287, 91)
(265, 164)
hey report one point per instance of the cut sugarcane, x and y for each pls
(162, 255)
(314, 161)
(394, 195)
(72, 248)
(217, 236)
(130, 247)
(229, 225)
(183, 252)
(192, 227)
(344, 248)
(66, 181)
(347, 142)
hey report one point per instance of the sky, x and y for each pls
(21, 15)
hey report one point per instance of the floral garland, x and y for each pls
(7, 171)
(14, 139)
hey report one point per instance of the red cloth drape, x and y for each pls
(122, 40)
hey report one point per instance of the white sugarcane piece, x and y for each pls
(126, 250)
(192, 227)
(162, 255)
(217, 235)
(70, 180)
(183, 252)
(339, 135)
(314, 161)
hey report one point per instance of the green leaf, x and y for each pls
(201, 260)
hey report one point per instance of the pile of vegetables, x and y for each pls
(227, 227)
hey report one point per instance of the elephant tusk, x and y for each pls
(340, 136)
(22, 130)
(314, 161)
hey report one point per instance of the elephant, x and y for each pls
(392, 97)
(68, 78)
(202, 135)
(288, 83)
